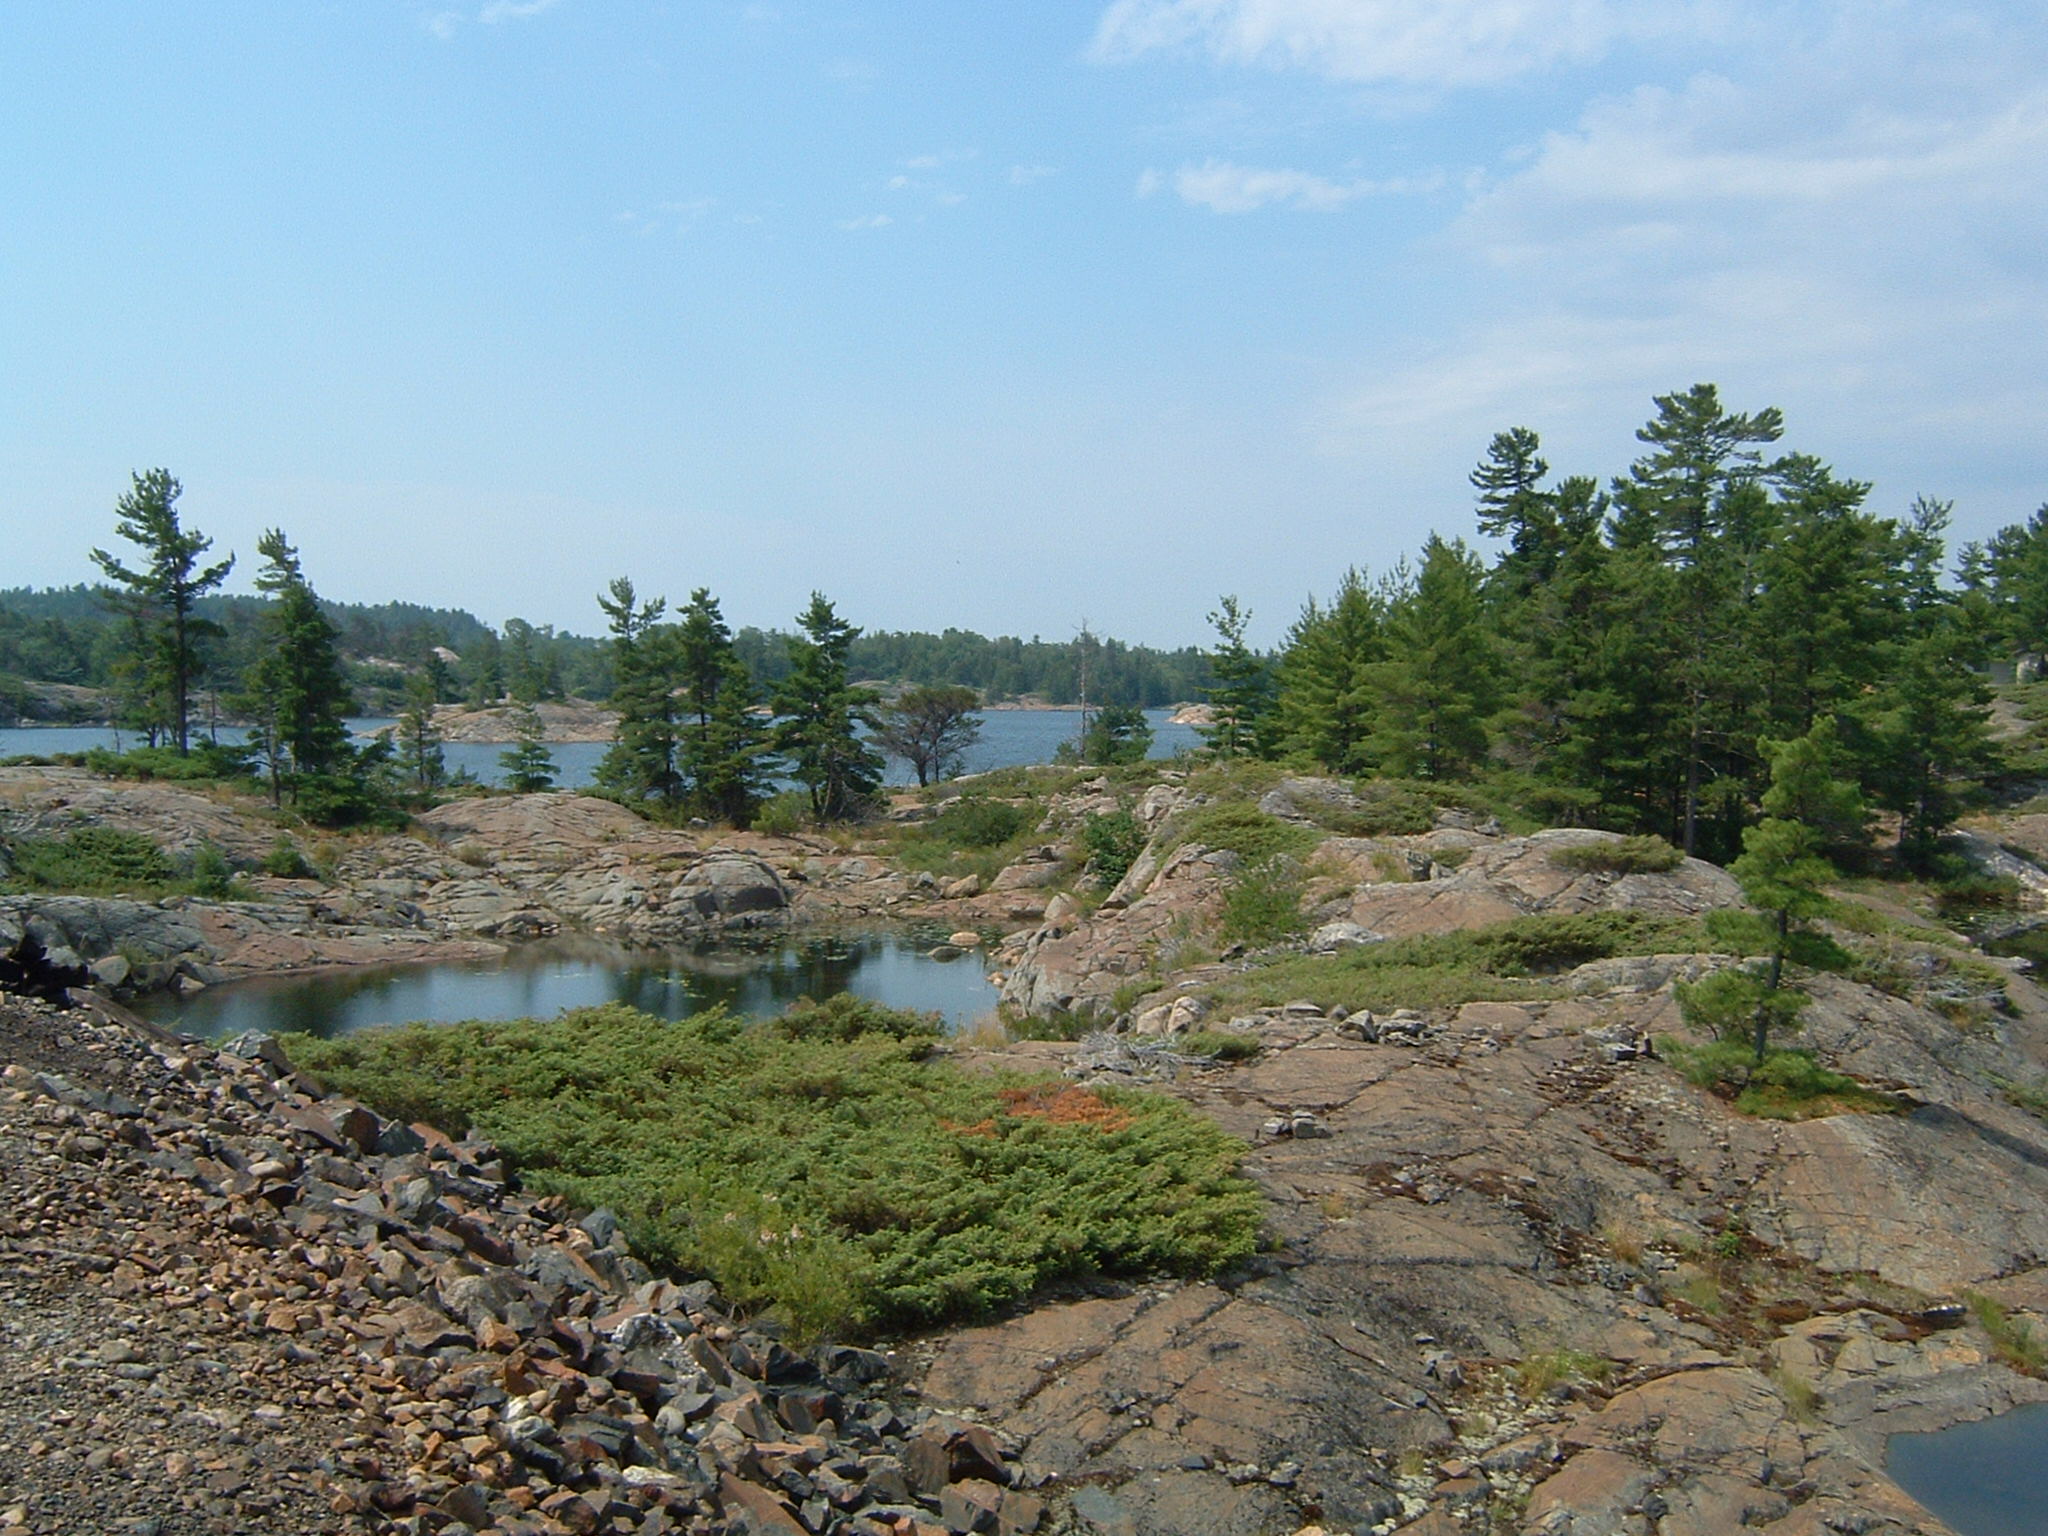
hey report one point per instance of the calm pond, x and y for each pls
(541, 979)
(1985, 1479)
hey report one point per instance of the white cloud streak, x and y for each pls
(1428, 43)
(512, 10)
(1223, 187)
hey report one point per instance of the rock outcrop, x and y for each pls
(232, 1304)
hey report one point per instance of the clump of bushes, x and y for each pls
(1788, 1085)
(1239, 827)
(1506, 962)
(1644, 855)
(93, 860)
(824, 1163)
(974, 834)
(1113, 842)
(1262, 902)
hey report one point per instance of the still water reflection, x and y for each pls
(539, 980)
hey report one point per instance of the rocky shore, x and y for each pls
(1523, 1279)
(233, 1304)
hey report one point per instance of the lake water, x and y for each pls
(539, 980)
(1985, 1479)
(1008, 737)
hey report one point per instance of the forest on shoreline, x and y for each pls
(1630, 655)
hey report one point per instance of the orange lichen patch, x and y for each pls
(1064, 1105)
(979, 1128)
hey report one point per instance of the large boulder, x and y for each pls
(732, 890)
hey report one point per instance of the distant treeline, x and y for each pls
(70, 635)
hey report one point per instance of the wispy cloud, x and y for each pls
(1222, 187)
(1429, 43)
(1025, 175)
(442, 24)
(1854, 255)
(512, 10)
(867, 221)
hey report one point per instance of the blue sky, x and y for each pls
(1002, 317)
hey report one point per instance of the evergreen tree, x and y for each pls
(820, 716)
(297, 689)
(729, 762)
(1696, 499)
(1322, 708)
(1438, 683)
(1926, 717)
(419, 743)
(1514, 507)
(1241, 690)
(160, 598)
(483, 666)
(1119, 733)
(643, 761)
(722, 744)
(1783, 869)
(529, 766)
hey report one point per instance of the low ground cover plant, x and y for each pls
(1629, 856)
(973, 834)
(1506, 962)
(1242, 828)
(824, 1163)
(1789, 1085)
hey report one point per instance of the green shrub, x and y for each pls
(1502, 963)
(785, 814)
(1630, 856)
(974, 834)
(93, 860)
(1262, 902)
(975, 821)
(1243, 829)
(1790, 1085)
(1221, 1044)
(1390, 808)
(1113, 842)
(211, 873)
(824, 1163)
(285, 861)
(207, 761)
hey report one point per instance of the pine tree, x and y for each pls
(161, 597)
(1241, 690)
(297, 688)
(643, 759)
(1439, 681)
(820, 715)
(1695, 498)
(419, 743)
(1926, 717)
(1322, 707)
(529, 766)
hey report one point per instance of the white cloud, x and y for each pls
(512, 10)
(1429, 43)
(1025, 175)
(442, 24)
(1863, 253)
(1226, 188)
(867, 221)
